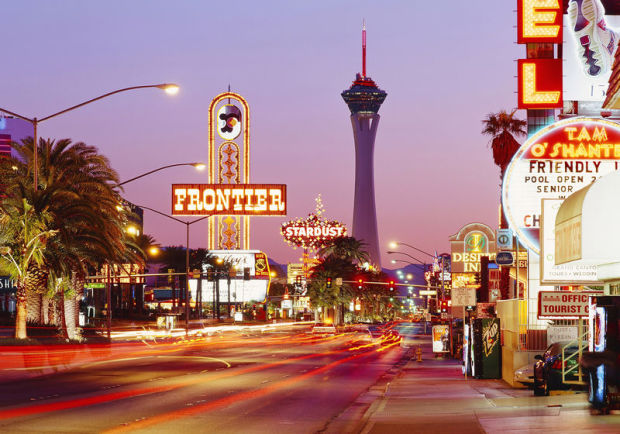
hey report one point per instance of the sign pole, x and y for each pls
(517, 276)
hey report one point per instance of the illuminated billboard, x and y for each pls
(467, 246)
(584, 81)
(554, 163)
(236, 289)
(229, 199)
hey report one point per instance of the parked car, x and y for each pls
(552, 357)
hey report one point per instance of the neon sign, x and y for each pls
(554, 163)
(540, 83)
(229, 199)
(312, 232)
(539, 21)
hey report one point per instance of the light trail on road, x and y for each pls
(221, 402)
(37, 409)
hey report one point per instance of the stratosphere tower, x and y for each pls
(364, 99)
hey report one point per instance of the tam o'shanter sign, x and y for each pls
(554, 163)
(229, 199)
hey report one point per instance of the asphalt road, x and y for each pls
(232, 383)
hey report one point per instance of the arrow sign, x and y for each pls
(504, 258)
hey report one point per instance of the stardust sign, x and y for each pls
(312, 232)
(564, 305)
(554, 163)
(309, 231)
(229, 199)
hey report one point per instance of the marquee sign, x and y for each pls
(539, 21)
(540, 83)
(539, 79)
(554, 163)
(312, 232)
(229, 199)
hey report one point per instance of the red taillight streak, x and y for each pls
(82, 402)
(166, 417)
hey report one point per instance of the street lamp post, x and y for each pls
(395, 244)
(197, 165)
(169, 88)
(187, 225)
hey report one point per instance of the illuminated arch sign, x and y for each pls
(229, 199)
(554, 163)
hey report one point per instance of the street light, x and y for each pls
(391, 252)
(169, 88)
(395, 244)
(198, 166)
(187, 225)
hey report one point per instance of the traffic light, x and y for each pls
(246, 273)
(329, 282)
(210, 274)
(391, 285)
(360, 283)
(298, 281)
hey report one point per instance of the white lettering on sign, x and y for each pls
(559, 304)
(227, 199)
(554, 163)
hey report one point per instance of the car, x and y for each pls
(323, 328)
(552, 357)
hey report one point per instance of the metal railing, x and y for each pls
(581, 337)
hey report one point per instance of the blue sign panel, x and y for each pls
(504, 258)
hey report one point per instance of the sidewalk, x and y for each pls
(434, 397)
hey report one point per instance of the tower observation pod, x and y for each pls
(364, 99)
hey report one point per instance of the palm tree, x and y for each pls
(346, 248)
(78, 190)
(502, 127)
(23, 235)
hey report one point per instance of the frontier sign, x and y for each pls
(229, 199)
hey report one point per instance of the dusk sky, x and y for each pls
(444, 65)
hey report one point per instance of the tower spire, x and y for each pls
(364, 48)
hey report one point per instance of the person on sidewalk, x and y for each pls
(541, 376)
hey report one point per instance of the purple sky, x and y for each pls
(444, 65)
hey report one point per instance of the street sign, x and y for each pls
(504, 239)
(338, 281)
(504, 258)
(94, 285)
(425, 292)
(463, 296)
(564, 304)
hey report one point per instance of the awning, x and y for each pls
(587, 227)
